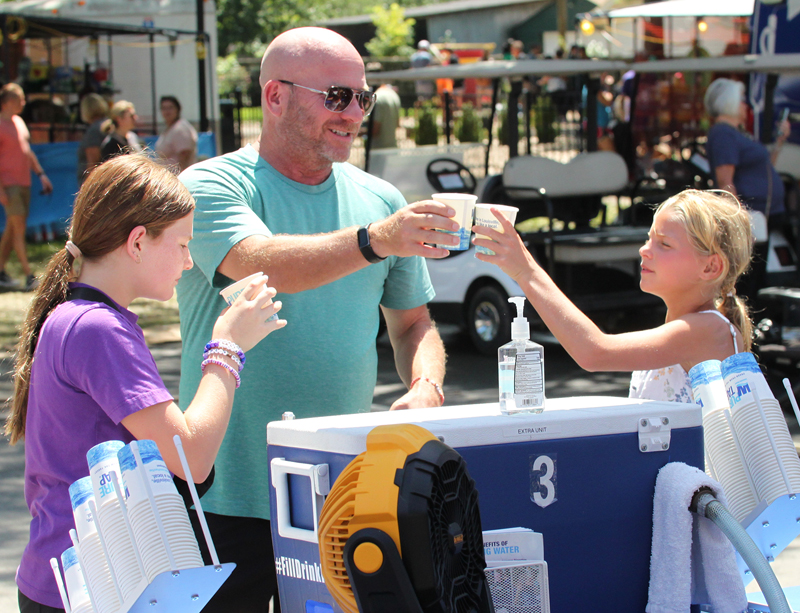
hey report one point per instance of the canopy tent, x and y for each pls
(16, 26)
(684, 8)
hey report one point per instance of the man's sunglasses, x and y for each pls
(337, 98)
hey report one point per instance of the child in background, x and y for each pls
(84, 374)
(699, 245)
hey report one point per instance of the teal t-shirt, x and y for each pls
(324, 362)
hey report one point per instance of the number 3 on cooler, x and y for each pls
(543, 480)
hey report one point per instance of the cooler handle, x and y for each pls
(320, 487)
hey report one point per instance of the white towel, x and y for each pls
(691, 561)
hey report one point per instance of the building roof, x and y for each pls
(432, 10)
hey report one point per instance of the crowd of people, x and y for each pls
(339, 247)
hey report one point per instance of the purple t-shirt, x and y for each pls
(91, 369)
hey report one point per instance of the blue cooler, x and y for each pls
(582, 473)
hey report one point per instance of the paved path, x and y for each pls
(472, 379)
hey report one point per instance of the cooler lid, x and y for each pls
(473, 425)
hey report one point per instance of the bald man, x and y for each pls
(338, 244)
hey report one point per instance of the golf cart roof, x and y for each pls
(785, 62)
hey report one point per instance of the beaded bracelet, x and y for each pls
(226, 344)
(224, 365)
(224, 353)
(435, 385)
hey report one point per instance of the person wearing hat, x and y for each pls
(419, 59)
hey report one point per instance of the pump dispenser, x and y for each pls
(521, 367)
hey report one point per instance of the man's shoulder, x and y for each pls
(370, 183)
(238, 164)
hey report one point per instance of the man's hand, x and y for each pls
(47, 187)
(421, 396)
(411, 231)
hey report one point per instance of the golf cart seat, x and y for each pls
(571, 194)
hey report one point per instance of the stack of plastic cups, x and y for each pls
(93, 560)
(724, 456)
(103, 462)
(158, 514)
(79, 601)
(761, 428)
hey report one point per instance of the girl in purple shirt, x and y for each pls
(84, 374)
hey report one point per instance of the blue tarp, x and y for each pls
(60, 161)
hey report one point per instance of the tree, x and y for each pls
(394, 34)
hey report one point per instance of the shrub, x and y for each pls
(427, 130)
(545, 119)
(469, 127)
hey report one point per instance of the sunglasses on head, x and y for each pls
(338, 98)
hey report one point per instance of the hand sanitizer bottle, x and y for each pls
(521, 368)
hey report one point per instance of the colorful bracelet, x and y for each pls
(435, 385)
(224, 353)
(229, 345)
(224, 365)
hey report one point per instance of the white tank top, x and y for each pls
(671, 383)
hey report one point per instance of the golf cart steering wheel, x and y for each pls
(448, 175)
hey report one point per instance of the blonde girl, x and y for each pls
(699, 245)
(84, 374)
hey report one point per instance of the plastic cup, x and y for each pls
(102, 460)
(708, 387)
(484, 217)
(80, 493)
(73, 576)
(463, 205)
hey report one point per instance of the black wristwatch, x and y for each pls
(365, 247)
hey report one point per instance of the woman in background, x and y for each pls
(120, 137)
(94, 111)
(178, 143)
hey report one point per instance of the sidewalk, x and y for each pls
(472, 379)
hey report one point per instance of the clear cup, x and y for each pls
(485, 218)
(463, 205)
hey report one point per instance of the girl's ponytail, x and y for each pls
(52, 291)
(736, 310)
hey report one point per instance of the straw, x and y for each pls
(93, 509)
(792, 399)
(156, 514)
(187, 472)
(740, 452)
(124, 508)
(772, 441)
(61, 590)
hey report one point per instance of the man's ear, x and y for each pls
(273, 98)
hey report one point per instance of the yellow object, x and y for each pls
(368, 558)
(365, 496)
(587, 27)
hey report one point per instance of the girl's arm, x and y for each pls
(202, 426)
(683, 341)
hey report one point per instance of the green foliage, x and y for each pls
(230, 75)
(243, 25)
(502, 129)
(427, 131)
(393, 33)
(545, 119)
(469, 127)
